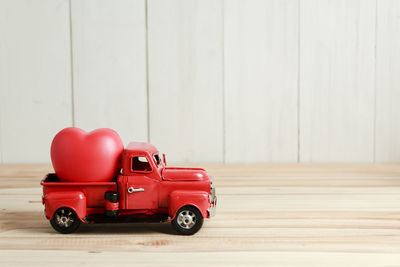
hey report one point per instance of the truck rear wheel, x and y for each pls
(188, 220)
(65, 220)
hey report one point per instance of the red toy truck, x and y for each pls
(144, 190)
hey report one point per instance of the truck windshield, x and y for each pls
(157, 159)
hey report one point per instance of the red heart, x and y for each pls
(78, 156)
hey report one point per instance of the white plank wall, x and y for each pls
(261, 53)
(337, 67)
(205, 81)
(35, 77)
(185, 78)
(109, 63)
(388, 82)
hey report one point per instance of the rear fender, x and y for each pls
(179, 198)
(73, 200)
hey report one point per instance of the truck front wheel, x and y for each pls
(65, 221)
(188, 220)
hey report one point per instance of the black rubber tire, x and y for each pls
(71, 215)
(195, 228)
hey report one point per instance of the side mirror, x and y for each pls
(164, 160)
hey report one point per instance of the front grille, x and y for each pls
(212, 198)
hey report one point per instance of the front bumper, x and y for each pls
(212, 210)
(213, 202)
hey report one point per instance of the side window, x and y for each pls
(140, 164)
(157, 159)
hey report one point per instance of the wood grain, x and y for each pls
(109, 62)
(268, 214)
(35, 77)
(387, 82)
(261, 71)
(185, 79)
(337, 68)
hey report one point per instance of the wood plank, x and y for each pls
(109, 58)
(296, 224)
(337, 66)
(185, 79)
(387, 129)
(261, 52)
(254, 258)
(35, 77)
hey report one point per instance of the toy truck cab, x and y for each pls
(145, 189)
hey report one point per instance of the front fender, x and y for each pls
(73, 200)
(179, 198)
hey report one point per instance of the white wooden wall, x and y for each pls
(336, 82)
(205, 80)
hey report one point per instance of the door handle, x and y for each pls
(131, 190)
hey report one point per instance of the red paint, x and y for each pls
(180, 198)
(78, 196)
(111, 206)
(152, 190)
(73, 199)
(184, 174)
(78, 156)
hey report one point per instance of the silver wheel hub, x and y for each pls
(186, 219)
(64, 218)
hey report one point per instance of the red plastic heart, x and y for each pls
(78, 156)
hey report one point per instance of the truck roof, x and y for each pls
(141, 147)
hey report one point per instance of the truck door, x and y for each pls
(141, 186)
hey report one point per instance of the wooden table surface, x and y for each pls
(268, 214)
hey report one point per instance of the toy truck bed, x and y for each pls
(84, 198)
